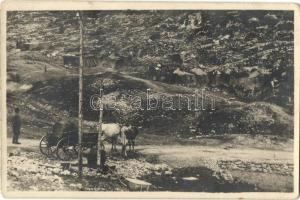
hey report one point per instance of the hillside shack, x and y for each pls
(32, 46)
(71, 60)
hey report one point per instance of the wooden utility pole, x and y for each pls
(80, 96)
(100, 142)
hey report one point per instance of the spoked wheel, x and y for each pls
(66, 150)
(45, 148)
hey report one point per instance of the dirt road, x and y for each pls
(192, 155)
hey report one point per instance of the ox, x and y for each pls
(111, 132)
(128, 135)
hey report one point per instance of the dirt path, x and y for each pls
(26, 144)
(191, 155)
(158, 86)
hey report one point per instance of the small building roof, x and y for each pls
(181, 73)
(198, 71)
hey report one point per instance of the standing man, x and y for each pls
(16, 125)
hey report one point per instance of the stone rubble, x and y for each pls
(278, 168)
(32, 172)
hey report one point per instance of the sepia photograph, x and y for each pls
(150, 100)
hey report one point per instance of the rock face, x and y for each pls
(244, 55)
(256, 46)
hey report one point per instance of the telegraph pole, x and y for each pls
(80, 96)
(100, 142)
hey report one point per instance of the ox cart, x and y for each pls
(65, 147)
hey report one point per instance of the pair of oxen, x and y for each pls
(127, 135)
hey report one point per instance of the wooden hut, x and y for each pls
(71, 60)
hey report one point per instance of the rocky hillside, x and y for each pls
(244, 60)
(248, 53)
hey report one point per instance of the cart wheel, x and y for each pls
(44, 146)
(66, 151)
